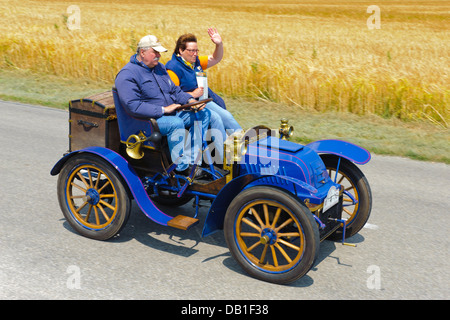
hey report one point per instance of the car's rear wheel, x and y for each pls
(93, 197)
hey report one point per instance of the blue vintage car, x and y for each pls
(275, 200)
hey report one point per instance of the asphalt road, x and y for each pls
(403, 253)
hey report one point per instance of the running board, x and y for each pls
(182, 222)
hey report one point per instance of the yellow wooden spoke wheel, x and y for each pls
(271, 234)
(93, 197)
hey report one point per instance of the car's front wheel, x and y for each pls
(357, 203)
(271, 235)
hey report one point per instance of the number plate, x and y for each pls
(331, 199)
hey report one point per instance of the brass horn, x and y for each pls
(134, 149)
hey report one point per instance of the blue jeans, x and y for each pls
(217, 134)
(229, 123)
(174, 127)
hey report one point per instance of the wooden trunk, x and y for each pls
(93, 122)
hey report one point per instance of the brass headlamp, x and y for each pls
(235, 147)
(286, 131)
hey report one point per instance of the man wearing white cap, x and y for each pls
(146, 91)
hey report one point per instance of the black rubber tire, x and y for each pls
(354, 179)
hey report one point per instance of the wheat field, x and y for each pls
(313, 55)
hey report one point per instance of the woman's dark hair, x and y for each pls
(181, 42)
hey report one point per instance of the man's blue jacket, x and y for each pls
(143, 91)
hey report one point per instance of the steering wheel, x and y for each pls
(192, 106)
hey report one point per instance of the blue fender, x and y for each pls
(129, 176)
(216, 214)
(342, 149)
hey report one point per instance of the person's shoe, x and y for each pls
(186, 172)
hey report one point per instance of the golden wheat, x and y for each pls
(317, 55)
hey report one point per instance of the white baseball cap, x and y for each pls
(152, 42)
